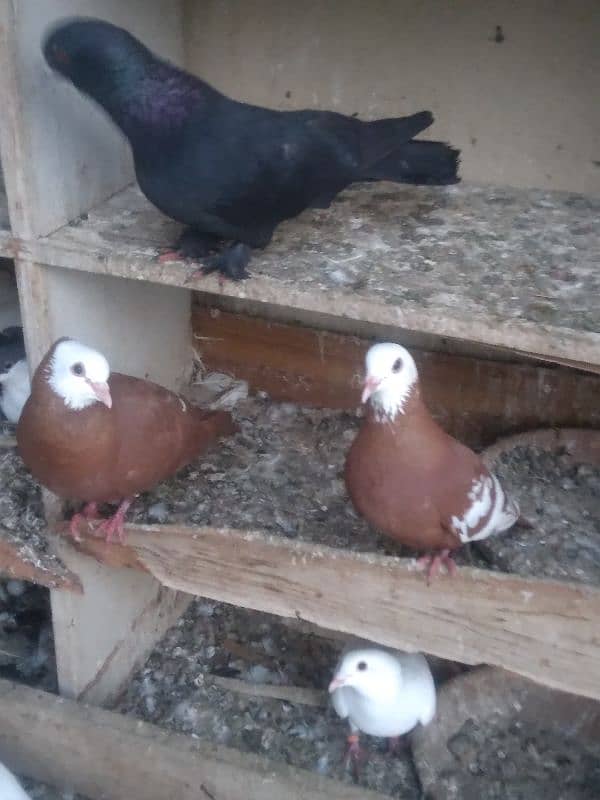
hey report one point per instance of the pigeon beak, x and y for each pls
(102, 392)
(369, 387)
(336, 683)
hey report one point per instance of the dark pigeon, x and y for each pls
(228, 170)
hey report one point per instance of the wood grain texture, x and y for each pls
(542, 629)
(289, 694)
(110, 756)
(475, 399)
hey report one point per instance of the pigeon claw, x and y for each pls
(88, 512)
(230, 263)
(433, 563)
(113, 527)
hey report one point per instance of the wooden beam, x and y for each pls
(108, 756)
(18, 560)
(296, 695)
(475, 399)
(543, 629)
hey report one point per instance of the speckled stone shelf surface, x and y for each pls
(512, 268)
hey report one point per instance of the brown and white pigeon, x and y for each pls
(93, 436)
(409, 478)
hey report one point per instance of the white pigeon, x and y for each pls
(15, 388)
(10, 788)
(382, 694)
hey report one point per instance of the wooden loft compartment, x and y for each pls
(421, 264)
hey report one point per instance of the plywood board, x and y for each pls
(471, 263)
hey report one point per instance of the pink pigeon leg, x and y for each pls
(354, 754)
(171, 255)
(88, 512)
(433, 563)
(112, 527)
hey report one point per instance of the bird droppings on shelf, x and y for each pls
(502, 737)
(22, 513)
(178, 689)
(485, 233)
(561, 498)
(285, 465)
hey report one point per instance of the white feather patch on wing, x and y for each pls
(489, 511)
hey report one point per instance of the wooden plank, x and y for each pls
(357, 261)
(475, 399)
(17, 560)
(289, 694)
(109, 756)
(542, 629)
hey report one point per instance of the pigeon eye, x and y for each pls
(397, 365)
(77, 369)
(361, 666)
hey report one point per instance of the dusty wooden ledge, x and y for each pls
(377, 256)
(108, 756)
(17, 560)
(543, 629)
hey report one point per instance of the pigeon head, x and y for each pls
(369, 672)
(95, 55)
(391, 374)
(79, 375)
(145, 96)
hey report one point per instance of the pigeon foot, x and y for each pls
(88, 512)
(112, 527)
(432, 563)
(192, 245)
(231, 263)
(354, 755)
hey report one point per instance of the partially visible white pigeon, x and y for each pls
(10, 788)
(382, 694)
(15, 388)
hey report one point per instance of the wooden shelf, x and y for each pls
(527, 625)
(502, 267)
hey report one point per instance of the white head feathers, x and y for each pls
(79, 375)
(370, 672)
(391, 377)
